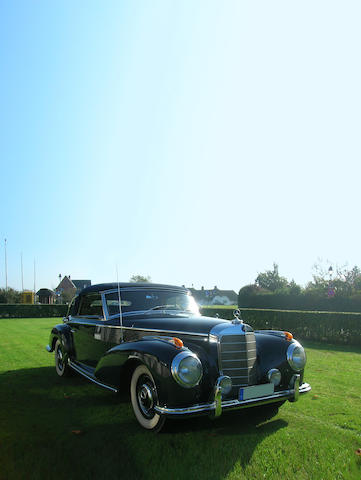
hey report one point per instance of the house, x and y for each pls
(68, 288)
(46, 296)
(214, 296)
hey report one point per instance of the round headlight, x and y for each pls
(274, 376)
(187, 369)
(296, 356)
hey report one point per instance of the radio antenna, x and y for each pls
(120, 308)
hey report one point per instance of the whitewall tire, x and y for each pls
(143, 394)
(61, 364)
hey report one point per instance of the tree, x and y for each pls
(294, 288)
(329, 277)
(140, 278)
(9, 295)
(271, 280)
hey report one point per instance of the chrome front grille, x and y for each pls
(237, 358)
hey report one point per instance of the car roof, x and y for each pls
(101, 287)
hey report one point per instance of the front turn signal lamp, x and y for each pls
(288, 336)
(177, 342)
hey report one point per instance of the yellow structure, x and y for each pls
(27, 296)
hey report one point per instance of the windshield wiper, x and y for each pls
(162, 307)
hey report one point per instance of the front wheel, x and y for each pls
(143, 394)
(61, 365)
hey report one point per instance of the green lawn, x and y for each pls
(315, 438)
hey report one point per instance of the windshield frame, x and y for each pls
(146, 311)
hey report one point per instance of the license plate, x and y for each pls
(255, 391)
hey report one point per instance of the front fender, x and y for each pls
(272, 353)
(118, 363)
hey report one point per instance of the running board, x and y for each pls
(87, 375)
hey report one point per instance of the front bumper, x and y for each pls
(217, 405)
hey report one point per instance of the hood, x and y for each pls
(174, 323)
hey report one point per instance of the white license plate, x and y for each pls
(255, 391)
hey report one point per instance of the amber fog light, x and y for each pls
(274, 376)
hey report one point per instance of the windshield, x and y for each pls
(150, 301)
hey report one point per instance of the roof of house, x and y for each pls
(45, 292)
(66, 284)
(80, 284)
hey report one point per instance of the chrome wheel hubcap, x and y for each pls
(145, 396)
(59, 357)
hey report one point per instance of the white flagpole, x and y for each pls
(6, 268)
(22, 273)
(34, 279)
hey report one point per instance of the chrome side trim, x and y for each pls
(144, 329)
(233, 404)
(85, 374)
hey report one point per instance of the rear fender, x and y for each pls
(62, 332)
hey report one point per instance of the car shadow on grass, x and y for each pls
(71, 427)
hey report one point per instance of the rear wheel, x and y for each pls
(143, 393)
(61, 364)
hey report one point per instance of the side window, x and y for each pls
(91, 305)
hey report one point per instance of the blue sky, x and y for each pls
(195, 142)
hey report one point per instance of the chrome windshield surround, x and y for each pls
(137, 289)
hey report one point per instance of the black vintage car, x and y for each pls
(152, 339)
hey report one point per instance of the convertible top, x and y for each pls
(101, 287)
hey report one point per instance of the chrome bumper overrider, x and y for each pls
(216, 407)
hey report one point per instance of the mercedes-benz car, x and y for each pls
(151, 339)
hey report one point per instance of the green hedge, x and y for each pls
(303, 301)
(32, 311)
(224, 312)
(330, 327)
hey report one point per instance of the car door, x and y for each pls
(88, 328)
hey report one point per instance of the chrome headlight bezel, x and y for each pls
(177, 365)
(294, 348)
